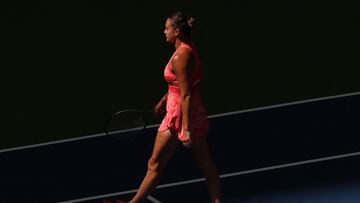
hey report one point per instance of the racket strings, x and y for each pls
(127, 125)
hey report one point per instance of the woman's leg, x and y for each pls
(164, 147)
(202, 155)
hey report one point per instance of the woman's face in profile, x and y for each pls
(170, 32)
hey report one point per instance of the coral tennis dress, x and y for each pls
(198, 125)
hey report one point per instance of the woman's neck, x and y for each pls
(178, 42)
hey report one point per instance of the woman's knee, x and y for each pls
(165, 145)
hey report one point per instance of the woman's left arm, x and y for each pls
(183, 68)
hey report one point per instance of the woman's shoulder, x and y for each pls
(190, 46)
(187, 50)
(182, 54)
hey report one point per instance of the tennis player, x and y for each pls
(185, 118)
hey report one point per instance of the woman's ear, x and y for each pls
(177, 32)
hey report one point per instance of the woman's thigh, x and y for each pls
(164, 147)
(201, 152)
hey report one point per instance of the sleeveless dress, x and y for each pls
(198, 125)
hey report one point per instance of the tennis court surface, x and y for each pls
(300, 152)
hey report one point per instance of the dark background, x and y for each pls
(68, 64)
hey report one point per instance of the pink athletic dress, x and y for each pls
(199, 125)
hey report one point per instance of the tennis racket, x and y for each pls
(127, 125)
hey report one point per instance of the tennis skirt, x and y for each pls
(199, 124)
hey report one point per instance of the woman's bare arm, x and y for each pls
(182, 66)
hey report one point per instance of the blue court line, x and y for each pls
(222, 176)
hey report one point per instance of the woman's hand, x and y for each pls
(186, 139)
